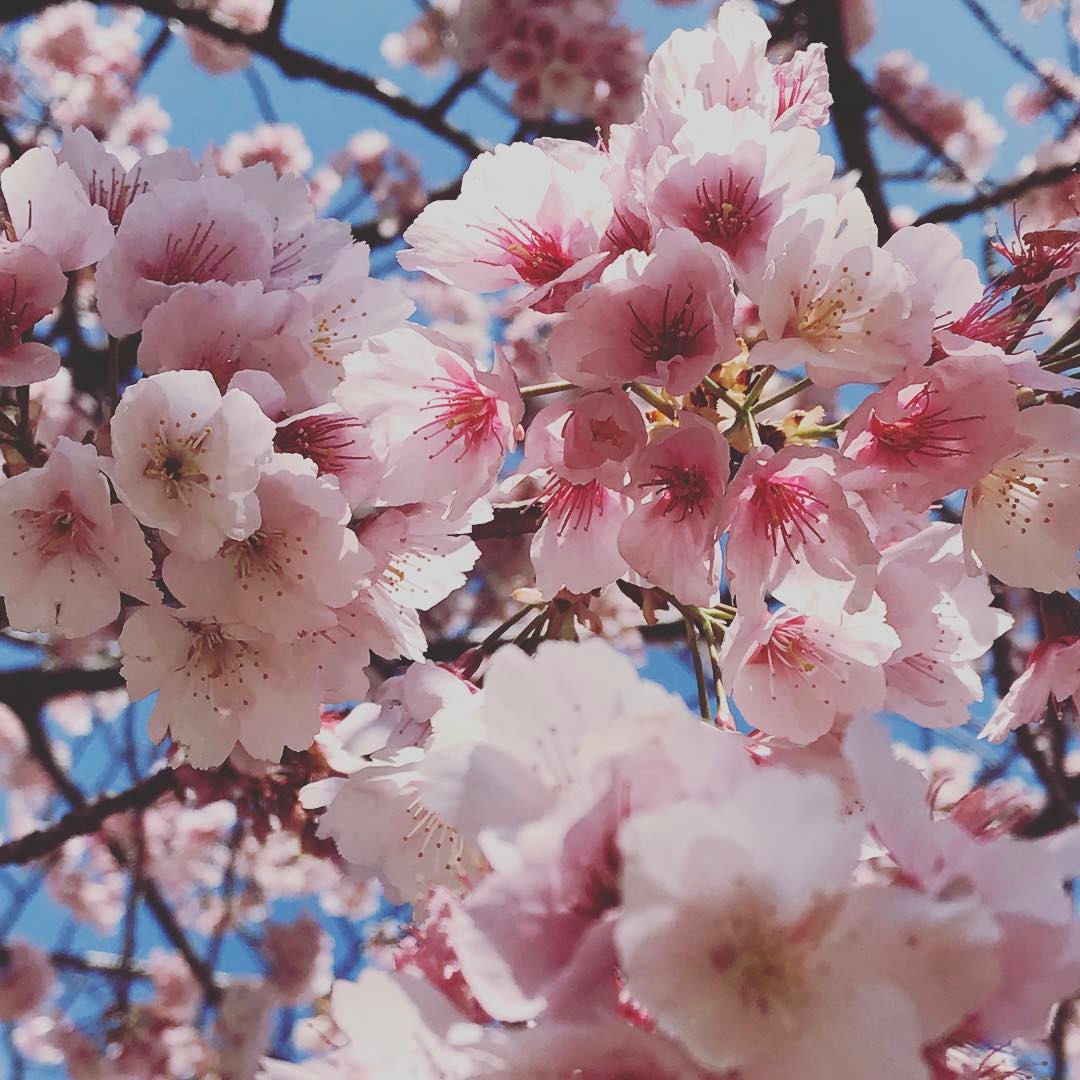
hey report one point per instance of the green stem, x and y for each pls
(791, 391)
(647, 393)
(699, 670)
(715, 388)
(539, 389)
(754, 393)
(496, 635)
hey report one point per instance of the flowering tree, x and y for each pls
(326, 590)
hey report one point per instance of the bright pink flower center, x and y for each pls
(1004, 325)
(790, 649)
(115, 194)
(727, 210)
(791, 91)
(195, 258)
(324, 439)
(15, 319)
(538, 257)
(573, 505)
(790, 512)
(682, 489)
(58, 530)
(1036, 255)
(463, 412)
(923, 430)
(670, 333)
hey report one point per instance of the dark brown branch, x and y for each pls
(87, 819)
(851, 104)
(1000, 195)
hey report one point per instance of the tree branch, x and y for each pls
(851, 103)
(998, 196)
(87, 819)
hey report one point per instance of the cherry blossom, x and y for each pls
(664, 318)
(186, 459)
(831, 299)
(670, 537)
(291, 572)
(219, 684)
(797, 675)
(48, 208)
(68, 553)
(1051, 678)
(31, 285)
(181, 232)
(1022, 520)
(524, 217)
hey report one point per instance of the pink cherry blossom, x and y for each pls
(831, 299)
(523, 218)
(934, 430)
(305, 246)
(439, 424)
(226, 330)
(728, 177)
(291, 572)
(281, 146)
(1051, 678)
(220, 684)
(186, 459)
(48, 208)
(790, 511)
(679, 481)
(748, 957)
(802, 86)
(797, 675)
(177, 233)
(300, 955)
(108, 183)
(946, 622)
(664, 318)
(1022, 520)
(603, 436)
(31, 285)
(68, 553)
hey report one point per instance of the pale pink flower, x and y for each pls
(177, 994)
(728, 177)
(1022, 520)
(281, 146)
(225, 330)
(300, 955)
(603, 435)
(946, 622)
(774, 965)
(70, 38)
(398, 1025)
(108, 183)
(181, 232)
(577, 544)
(802, 87)
(142, 124)
(339, 445)
(1019, 880)
(48, 208)
(31, 285)
(935, 429)
(186, 459)
(679, 482)
(798, 675)
(26, 977)
(790, 511)
(288, 575)
(524, 217)
(1051, 678)
(665, 318)
(831, 299)
(68, 553)
(306, 246)
(440, 426)
(219, 684)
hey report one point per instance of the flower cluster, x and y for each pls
(569, 56)
(288, 470)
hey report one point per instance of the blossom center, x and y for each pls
(790, 511)
(463, 412)
(326, 440)
(538, 257)
(727, 210)
(177, 466)
(682, 489)
(195, 258)
(573, 505)
(671, 334)
(923, 430)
